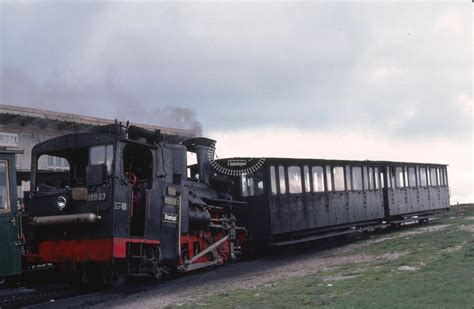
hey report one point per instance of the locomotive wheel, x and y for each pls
(12, 282)
(84, 278)
(91, 276)
(117, 276)
(153, 255)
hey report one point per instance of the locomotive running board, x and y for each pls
(328, 235)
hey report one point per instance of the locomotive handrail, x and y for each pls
(217, 200)
(87, 218)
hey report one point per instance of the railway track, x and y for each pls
(20, 297)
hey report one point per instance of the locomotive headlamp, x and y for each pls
(61, 202)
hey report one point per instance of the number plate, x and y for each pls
(94, 197)
(172, 200)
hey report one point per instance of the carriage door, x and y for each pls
(9, 223)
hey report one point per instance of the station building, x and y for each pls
(21, 128)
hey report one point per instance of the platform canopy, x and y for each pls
(32, 117)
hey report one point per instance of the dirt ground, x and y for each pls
(263, 271)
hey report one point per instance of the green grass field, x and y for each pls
(431, 266)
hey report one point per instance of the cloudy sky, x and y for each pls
(349, 80)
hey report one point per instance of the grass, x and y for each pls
(440, 274)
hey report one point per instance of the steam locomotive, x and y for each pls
(130, 205)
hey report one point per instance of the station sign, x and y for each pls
(9, 139)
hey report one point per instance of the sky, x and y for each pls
(345, 80)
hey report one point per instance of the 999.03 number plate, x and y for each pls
(94, 197)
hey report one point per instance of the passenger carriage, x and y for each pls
(296, 200)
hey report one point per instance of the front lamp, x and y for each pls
(61, 202)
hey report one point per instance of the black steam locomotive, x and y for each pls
(126, 207)
(129, 204)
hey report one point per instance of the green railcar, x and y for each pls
(10, 230)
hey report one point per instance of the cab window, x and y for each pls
(102, 154)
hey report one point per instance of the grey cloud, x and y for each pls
(17, 87)
(240, 65)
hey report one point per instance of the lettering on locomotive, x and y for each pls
(171, 218)
(236, 162)
(120, 206)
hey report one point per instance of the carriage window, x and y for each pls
(273, 180)
(438, 178)
(376, 176)
(348, 177)
(371, 178)
(102, 154)
(318, 179)
(445, 176)
(328, 178)
(294, 179)
(411, 177)
(366, 178)
(382, 180)
(252, 184)
(338, 172)
(423, 177)
(307, 184)
(405, 179)
(391, 177)
(442, 176)
(281, 177)
(434, 181)
(356, 178)
(399, 175)
(247, 186)
(4, 187)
